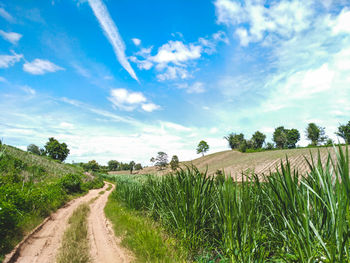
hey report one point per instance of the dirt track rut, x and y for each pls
(41, 246)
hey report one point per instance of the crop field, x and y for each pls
(283, 216)
(235, 163)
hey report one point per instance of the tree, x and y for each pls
(113, 165)
(286, 138)
(280, 137)
(138, 166)
(33, 149)
(269, 146)
(258, 140)
(161, 161)
(174, 163)
(56, 150)
(131, 166)
(92, 166)
(315, 134)
(235, 140)
(202, 147)
(293, 136)
(344, 132)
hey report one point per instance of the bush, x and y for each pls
(71, 183)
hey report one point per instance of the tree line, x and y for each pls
(286, 138)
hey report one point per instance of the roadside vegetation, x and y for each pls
(282, 217)
(75, 245)
(32, 187)
(144, 237)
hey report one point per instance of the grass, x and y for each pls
(75, 245)
(109, 187)
(283, 217)
(32, 187)
(141, 235)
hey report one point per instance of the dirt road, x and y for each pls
(41, 246)
(104, 246)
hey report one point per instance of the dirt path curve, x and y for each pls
(104, 246)
(42, 244)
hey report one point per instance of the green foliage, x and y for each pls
(174, 163)
(113, 165)
(56, 150)
(344, 132)
(92, 166)
(33, 149)
(71, 183)
(235, 140)
(161, 161)
(315, 134)
(286, 138)
(258, 140)
(132, 166)
(283, 217)
(202, 147)
(138, 167)
(269, 146)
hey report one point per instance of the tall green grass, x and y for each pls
(280, 217)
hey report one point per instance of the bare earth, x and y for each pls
(104, 247)
(42, 244)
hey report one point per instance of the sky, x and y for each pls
(126, 79)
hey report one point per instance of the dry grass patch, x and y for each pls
(75, 245)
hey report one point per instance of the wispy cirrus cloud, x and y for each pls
(112, 33)
(40, 67)
(7, 61)
(4, 14)
(12, 37)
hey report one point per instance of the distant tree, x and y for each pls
(293, 136)
(138, 166)
(113, 165)
(161, 161)
(174, 163)
(92, 166)
(33, 149)
(152, 160)
(344, 132)
(315, 134)
(202, 147)
(329, 142)
(258, 140)
(56, 150)
(280, 137)
(235, 140)
(131, 166)
(42, 152)
(269, 146)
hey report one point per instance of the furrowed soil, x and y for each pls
(43, 243)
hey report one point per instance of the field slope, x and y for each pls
(234, 162)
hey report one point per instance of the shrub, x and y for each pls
(71, 183)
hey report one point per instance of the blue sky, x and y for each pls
(125, 79)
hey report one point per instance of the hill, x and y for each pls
(234, 162)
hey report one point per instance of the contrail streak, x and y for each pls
(112, 33)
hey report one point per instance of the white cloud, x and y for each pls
(149, 107)
(9, 60)
(11, 36)
(28, 90)
(112, 33)
(197, 87)
(136, 41)
(175, 126)
(40, 67)
(128, 100)
(173, 59)
(6, 15)
(2, 79)
(342, 23)
(283, 18)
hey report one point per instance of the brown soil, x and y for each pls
(42, 244)
(104, 247)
